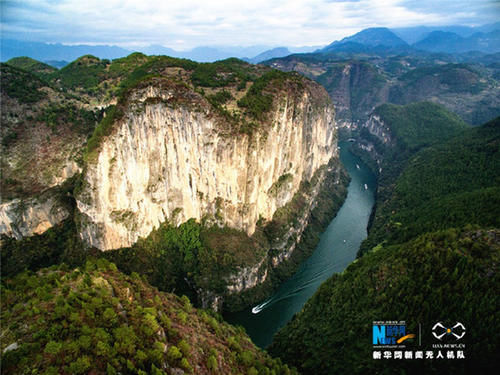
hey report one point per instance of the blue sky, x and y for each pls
(183, 24)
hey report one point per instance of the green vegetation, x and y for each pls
(223, 73)
(411, 128)
(102, 130)
(190, 257)
(259, 98)
(459, 77)
(20, 84)
(84, 73)
(58, 117)
(448, 185)
(59, 244)
(419, 125)
(220, 98)
(35, 67)
(95, 319)
(449, 275)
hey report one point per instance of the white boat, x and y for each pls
(357, 166)
(257, 309)
(366, 187)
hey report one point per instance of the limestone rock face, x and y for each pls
(24, 218)
(379, 129)
(173, 162)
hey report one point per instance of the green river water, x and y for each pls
(336, 250)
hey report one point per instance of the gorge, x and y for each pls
(145, 198)
(237, 157)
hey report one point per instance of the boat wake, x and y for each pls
(257, 309)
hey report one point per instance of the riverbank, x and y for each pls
(336, 249)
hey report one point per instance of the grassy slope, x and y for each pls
(420, 124)
(21, 84)
(412, 127)
(97, 319)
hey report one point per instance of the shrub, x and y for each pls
(186, 366)
(187, 304)
(80, 366)
(184, 348)
(173, 354)
(53, 348)
(212, 363)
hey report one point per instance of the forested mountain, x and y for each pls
(449, 276)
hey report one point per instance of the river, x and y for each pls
(335, 251)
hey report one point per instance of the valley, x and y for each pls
(146, 200)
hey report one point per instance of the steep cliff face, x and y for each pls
(174, 161)
(376, 135)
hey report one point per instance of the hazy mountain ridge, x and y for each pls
(440, 41)
(372, 37)
(464, 39)
(57, 53)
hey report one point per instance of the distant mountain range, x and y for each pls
(373, 37)
(46, 51)
(383, 39)
(59, 55)
(270, 54)
(442, 41)
(413, 35)
(445, 39)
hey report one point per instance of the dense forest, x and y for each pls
(449, 275)
(451, 184)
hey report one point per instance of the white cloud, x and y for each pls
(188, 23)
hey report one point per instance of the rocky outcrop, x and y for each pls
(173, 162)
(378, 129)
(248, 277)
(24, 218)
(375, 136)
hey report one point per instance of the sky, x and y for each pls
(184, 24)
